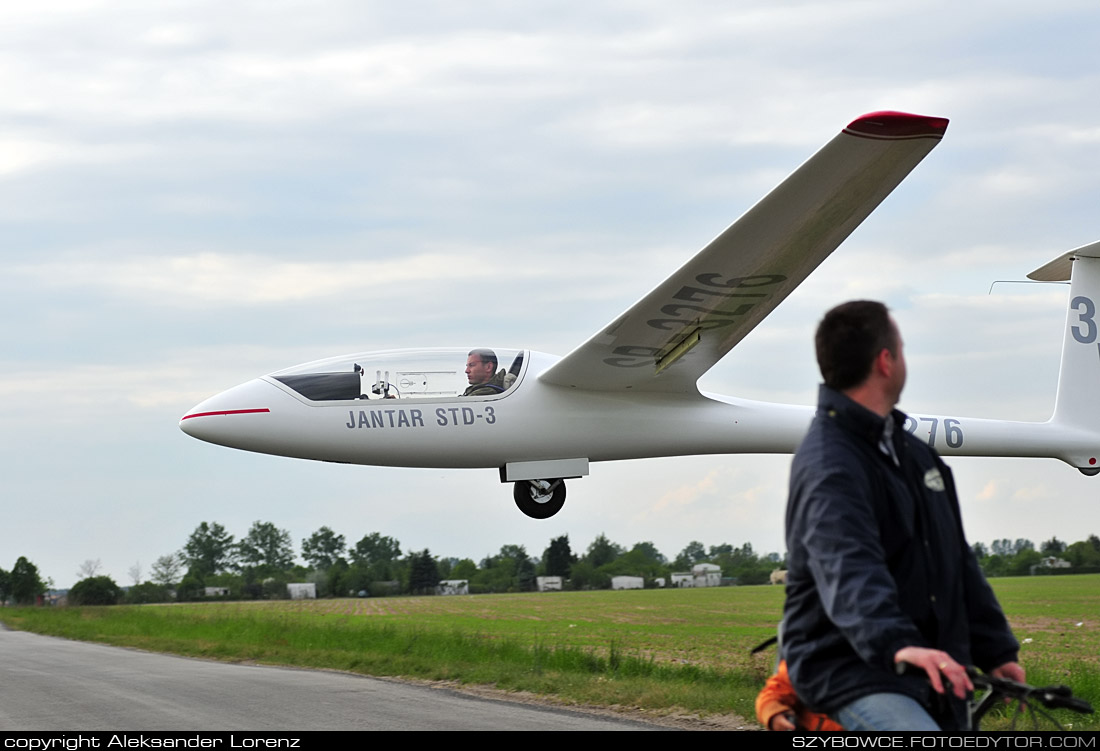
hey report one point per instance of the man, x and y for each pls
(879, 570)
(481, 372)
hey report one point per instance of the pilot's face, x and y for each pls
(477, 370)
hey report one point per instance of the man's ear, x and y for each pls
(885, 363)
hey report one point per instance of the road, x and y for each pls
(54, 684)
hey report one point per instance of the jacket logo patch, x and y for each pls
(933, 480)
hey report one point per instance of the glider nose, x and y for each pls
(234, 418)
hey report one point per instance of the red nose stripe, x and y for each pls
(226, 412)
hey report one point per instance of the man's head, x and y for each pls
(858, 344)
(481, 366)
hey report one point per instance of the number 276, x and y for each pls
(952, 429)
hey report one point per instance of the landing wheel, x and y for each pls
(539, 499)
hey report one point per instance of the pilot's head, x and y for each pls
(481, 366)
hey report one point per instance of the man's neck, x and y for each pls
(866, 395)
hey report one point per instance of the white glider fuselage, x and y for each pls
(535, 422)
(532, 421)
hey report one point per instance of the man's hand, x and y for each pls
(935, 662)
(782, 721)
(1010, 670)
(1013, 672)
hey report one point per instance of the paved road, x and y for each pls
(56, 684)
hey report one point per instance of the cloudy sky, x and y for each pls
(196, 193)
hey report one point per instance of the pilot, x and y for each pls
(481, 372)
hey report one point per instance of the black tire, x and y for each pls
(535, 504)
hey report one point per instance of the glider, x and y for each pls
(630, 391)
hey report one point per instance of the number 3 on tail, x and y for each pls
(1085, 333)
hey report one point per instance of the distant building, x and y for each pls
(306, 591)
(683, 579)
(627, 582)
(779, 576)
(216, 592)
(707, 575)
(453, 587)
(548, 583)
(1054, 562)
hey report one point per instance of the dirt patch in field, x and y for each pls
(1053, 625)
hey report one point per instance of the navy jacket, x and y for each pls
(877, 561)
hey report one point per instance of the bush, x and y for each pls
(95, 590)
(147, 592)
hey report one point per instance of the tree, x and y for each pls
(335, 578)
(1053, 546)
(693, 553)
(95, 590)
(1022, 563)
(135, 573)
(5, 585)
(323, 548)
(642, 560)
(26, 585)
(1083, 555)
(266, 549)
(649, 552)
(423, 573)
(89, 568)
(980, 551)
(209, 550)
(558, 558)
(464, 569)
(375, 548)
(583, 575)
(522, 568)
(190, 587)
(167, 569)
(375, 558)
(147, 592)
(603, 551)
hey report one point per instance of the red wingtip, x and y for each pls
(898, 125)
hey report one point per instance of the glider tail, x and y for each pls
(1077, 405)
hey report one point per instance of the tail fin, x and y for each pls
(1077, 406)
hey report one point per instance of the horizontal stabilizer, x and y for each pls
(1058, 270)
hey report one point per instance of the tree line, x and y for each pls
(213, 563)
(1020, 558)
(259, 565)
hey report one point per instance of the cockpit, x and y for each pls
(407, 374)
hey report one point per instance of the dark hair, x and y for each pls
(848, 340)
(486, 355)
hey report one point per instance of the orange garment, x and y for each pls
(778, 696)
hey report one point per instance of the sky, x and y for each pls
(196, 193)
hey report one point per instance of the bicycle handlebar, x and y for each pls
(1052, 697)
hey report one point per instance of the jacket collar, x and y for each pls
(855, 417)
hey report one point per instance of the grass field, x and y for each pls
(656, 650)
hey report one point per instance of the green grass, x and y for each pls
(657, 650)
